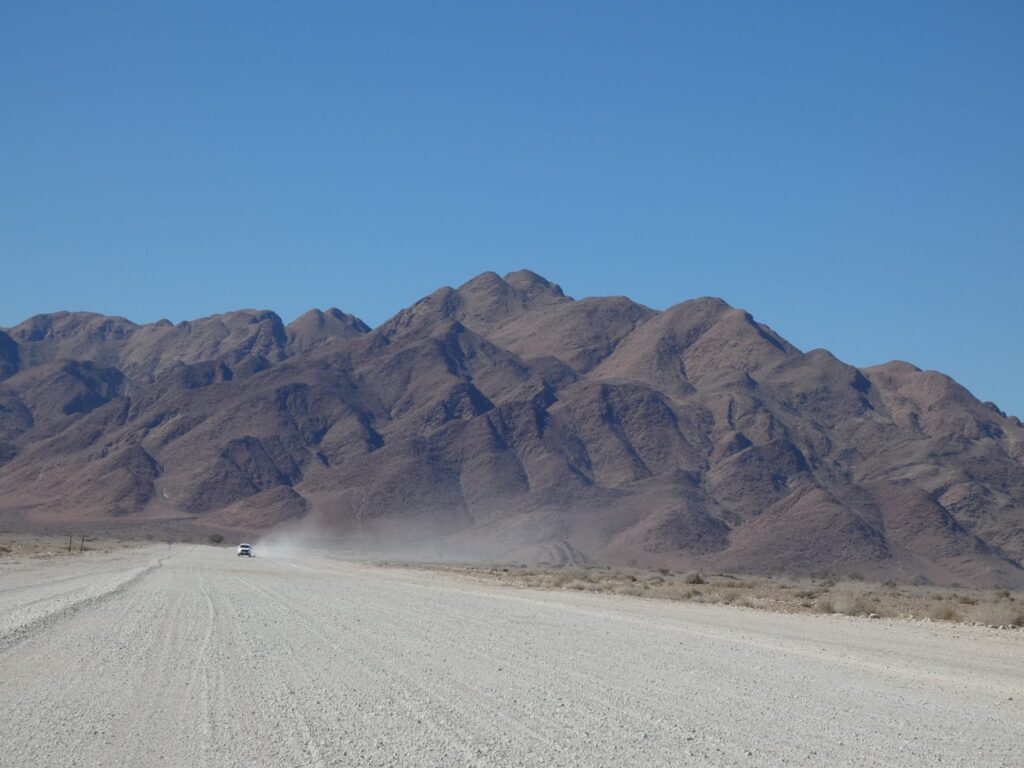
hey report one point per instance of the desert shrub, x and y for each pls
(674, 592)
(806, 594)
(1000, 614)
(216, 538)
(566, 576)
(968, 600)
(825, 606)
(627, 589)
(582, 586)
(853, 604)
(944, 613)
(693, 578)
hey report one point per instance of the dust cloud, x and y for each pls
(416, 544)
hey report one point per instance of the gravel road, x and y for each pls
(189, 656)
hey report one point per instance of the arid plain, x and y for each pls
(188, 655)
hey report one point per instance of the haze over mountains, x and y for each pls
(510, 421)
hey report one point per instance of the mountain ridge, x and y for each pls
(506, 419)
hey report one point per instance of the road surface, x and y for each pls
(190, 656)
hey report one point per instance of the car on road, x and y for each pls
(245, 549)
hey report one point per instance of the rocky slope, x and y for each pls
(504, 419)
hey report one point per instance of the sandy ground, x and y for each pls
(191, 656)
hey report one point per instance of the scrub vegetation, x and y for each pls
(996, 608)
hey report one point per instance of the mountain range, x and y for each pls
(506, 420)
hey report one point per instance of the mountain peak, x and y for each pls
(533, 284)
(482, 303)
(524, 283)
(316, 327)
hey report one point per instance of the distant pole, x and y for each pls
(81, 545)
(70, 538)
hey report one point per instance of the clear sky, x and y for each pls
(851, 173)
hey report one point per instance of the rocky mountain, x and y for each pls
(503, 419)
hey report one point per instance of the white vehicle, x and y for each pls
(245, 549)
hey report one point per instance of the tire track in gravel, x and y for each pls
(265, 671)
(468, 701)
(204, 676)
(370, 670)
(416, 699)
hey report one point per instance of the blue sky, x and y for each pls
(852, 174)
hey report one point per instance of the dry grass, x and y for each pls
(827, 595)
(18, 545)
(1004, 613)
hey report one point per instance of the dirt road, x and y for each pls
(189, 656)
